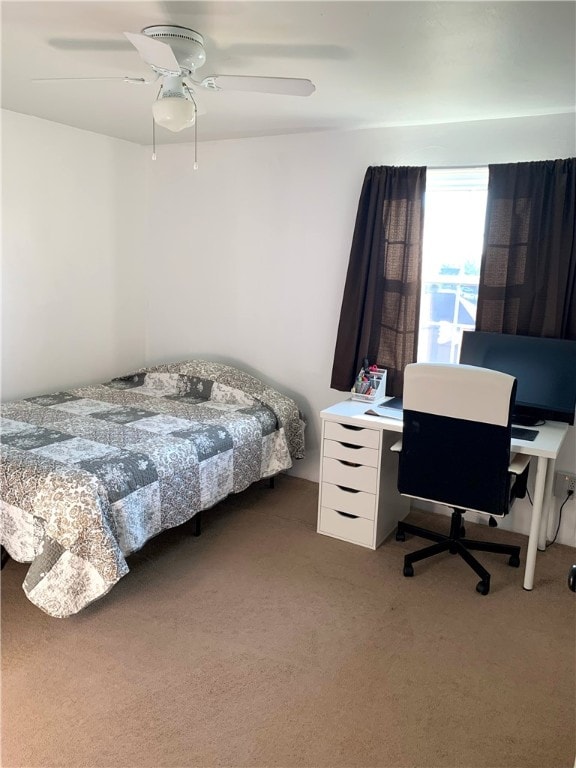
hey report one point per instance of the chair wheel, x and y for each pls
(514, 561)
(400, 536)
(483, 587)
(408, 570)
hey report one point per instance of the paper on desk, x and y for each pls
(385, 413)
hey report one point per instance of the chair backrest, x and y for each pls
(456, 436)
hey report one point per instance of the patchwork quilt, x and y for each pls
(90, 474)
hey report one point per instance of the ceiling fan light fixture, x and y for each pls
(174, 113)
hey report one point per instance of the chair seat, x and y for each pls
(518, 463)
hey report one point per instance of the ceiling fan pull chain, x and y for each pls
(154, 127)
(195, 145)
(193, 100)
(195, 137)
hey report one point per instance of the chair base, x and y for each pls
(455, 543)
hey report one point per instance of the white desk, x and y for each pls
(544, 448)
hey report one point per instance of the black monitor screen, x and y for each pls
(545, 370)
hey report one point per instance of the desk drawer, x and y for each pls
(359, 477)
(347, 433)
(357, 530)
(358, 503)
(357, 454)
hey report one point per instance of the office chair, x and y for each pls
(455, 451)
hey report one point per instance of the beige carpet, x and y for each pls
(263, 643)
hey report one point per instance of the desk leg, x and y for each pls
(535, 522)
(546, 505)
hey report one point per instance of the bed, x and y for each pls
(90, 474)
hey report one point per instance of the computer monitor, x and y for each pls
(545, 370)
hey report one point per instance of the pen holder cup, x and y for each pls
(377, 380)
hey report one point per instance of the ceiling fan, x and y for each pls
(175, 53)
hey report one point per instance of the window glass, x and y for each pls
(455, 209)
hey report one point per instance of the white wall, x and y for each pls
(72, 297)
(249, 253)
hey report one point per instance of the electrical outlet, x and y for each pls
(564, 482)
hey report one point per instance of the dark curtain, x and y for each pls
(381, 303)
(528, 274)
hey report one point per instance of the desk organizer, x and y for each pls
(376, 383)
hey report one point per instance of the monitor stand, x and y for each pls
(525, 419)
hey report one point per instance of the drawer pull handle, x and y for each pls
(352, 427)
(346, 514)
(349, 445)
(347, 490)
(349, 463)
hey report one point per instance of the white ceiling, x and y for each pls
(373, 63)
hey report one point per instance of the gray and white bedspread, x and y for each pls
(90, 474)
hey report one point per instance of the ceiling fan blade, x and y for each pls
(287, 86)
(155, 53)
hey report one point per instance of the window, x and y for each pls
(455, 209)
